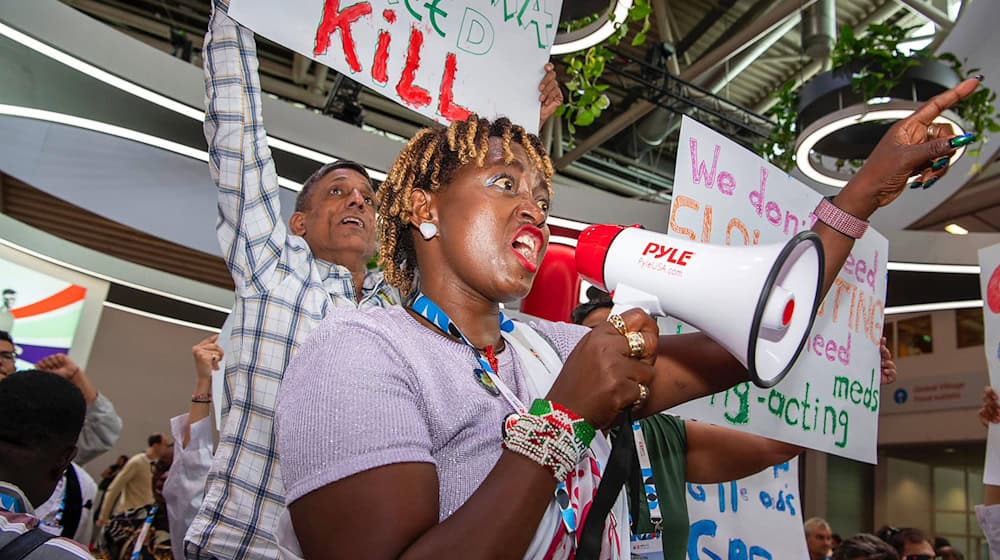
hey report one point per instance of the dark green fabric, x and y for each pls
(666, 440)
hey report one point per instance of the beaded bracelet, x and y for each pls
(550, 435)
(201, 398)
(566, 419)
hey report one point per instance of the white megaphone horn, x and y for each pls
(758, 302)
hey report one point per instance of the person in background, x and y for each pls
(70, 509)
(819, 538)
(687, 451)
(9, 298)
(836, 538)
(107, 477)
(910, 543)
(109, 474)
(102, 426)
(287, 279)
(949, 552)
(184, 488)
(41, 415)
(143, 533)
(133, 487)
(682, 451)
(988, 513)
(864, 547)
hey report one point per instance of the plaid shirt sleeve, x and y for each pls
(249, 227)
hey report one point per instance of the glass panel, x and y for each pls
(969, 327)
(949, 490)
(948, 524)
(975, 488)
(974, 528)
(915, 336)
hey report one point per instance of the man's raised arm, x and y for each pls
(250, 227)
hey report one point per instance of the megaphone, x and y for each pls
(759, 303)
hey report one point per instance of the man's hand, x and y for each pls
(551, 95)
(990, 412)
(207, 355)
(59, 364)
(888, 366)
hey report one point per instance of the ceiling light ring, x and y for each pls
(593, 33)
(852, 116)
(830, 98)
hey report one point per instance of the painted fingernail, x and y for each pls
(980, 77)
(940, 164)
(930, 182)
(915, 185)
(963, 140)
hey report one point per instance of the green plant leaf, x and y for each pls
(584, 118)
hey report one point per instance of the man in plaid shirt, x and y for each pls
(286, 281)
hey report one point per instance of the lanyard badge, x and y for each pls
(487, 377)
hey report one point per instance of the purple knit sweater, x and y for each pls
(373, 387)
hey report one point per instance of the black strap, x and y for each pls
(24, 544)
(73, 504)
(619, 464)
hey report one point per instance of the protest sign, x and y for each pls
(442, 59)
(726, 194)
(759, 517)
(989, 282)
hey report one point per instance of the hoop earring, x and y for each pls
(428, 230)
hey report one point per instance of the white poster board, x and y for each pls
(725, 194)
(989, 282)
(439, 58)
(759, 517)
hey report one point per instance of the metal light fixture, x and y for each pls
(593, 33)
(837, 125)
(811, 162)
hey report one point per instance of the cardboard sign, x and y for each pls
(989, 283)
(442, 59)
(725, 194)
(759, 517)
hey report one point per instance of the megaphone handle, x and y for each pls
(626, 297)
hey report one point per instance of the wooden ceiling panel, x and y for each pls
(77, 225)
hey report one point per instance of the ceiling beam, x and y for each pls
(939, 18)
(801, 75)
(731, 47)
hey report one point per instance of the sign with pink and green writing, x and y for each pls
(725, 194)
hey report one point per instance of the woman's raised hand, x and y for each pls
(607, 372)
(910, 148)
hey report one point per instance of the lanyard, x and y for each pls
(485, 374)
(488, 378)
(648, 485)
(141, 539)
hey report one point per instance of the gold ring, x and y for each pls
(618, 323)
(643, 395)
(636, 344)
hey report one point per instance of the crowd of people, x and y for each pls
(887, 543)
(398, 412)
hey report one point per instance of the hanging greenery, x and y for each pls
(586, 100)
(880, 68)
